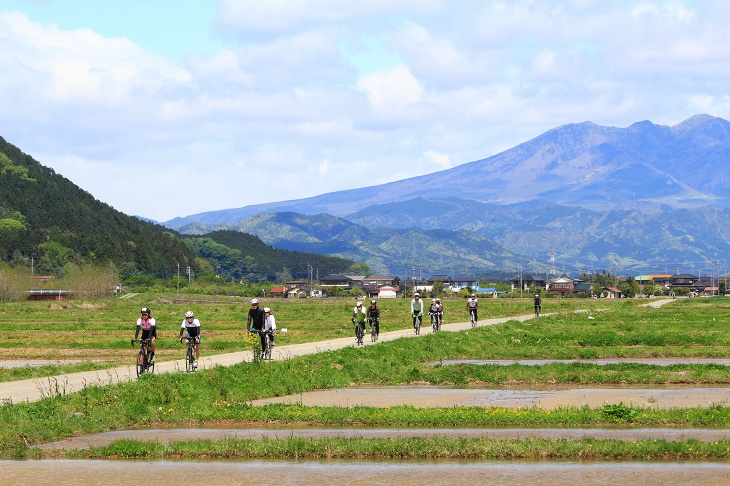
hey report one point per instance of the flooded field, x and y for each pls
(547, 399)
(85, 472)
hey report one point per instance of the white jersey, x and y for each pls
(270, 323)
(185, 323)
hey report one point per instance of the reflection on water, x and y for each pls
(85, 472)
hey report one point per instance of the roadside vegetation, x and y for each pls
(222, 395)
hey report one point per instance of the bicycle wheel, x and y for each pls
(267, 352)
(473, 320)
(141, 362)
(373, 334)
(189, 359)
(418, 325)
(434, 324)
(360, 334)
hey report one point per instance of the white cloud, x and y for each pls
(442, 160)
(392, 92)
(317, 96)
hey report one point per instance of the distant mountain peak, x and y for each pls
(581, 164)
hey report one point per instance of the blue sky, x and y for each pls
(218, 104)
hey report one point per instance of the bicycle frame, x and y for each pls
(144, 356)
(190, 352)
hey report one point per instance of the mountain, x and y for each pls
(244, 255)
(645, 166)
(383, 249)
(645, 198)
(486, 238)
(46, 218)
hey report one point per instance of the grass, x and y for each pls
(221, 395)
(413, 448)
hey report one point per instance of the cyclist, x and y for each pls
(433, 312)
(537, 304)
(256, 321)
(440, 311)
(191, 327)
(416, 308)
(472, 305)
(149, 331)
(374, 317)
(269, 324)
(358, 318)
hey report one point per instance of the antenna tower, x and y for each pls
(552, 261)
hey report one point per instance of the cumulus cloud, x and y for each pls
(307, 97)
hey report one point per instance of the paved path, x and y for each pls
(35, 389)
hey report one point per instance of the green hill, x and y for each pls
(47, 218)
(243, 255)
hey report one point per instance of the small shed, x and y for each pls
(387, 292)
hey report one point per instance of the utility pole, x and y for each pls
(178, 278)
(217, 276)
(522, 285)
(309, 274)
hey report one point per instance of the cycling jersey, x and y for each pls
(192, 328)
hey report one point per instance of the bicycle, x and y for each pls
(473, 317)
(190, 353)
(374, 329)
(435, 322)
(359, 332)
(537, 311)
(266, 351)
(417, 323)
(144, 357)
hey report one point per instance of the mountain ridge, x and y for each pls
(645, 166)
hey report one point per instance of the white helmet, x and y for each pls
(359, 304)
(416, 294)
(266, 309)
(254, 301)
(537, 295)
(189, 314)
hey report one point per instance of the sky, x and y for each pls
(166, 108)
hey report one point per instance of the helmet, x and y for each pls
(416, 294)
(473, 295)
(433, 300)
(189, 314)
(359, 304)
(145, 310)
(438, 301)
(266, 309)
(373, 302)
(537, 295)
(254, 301)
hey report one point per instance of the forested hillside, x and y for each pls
(243, 255)
(47, 218)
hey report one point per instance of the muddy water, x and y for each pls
(82, 473)
(547, 399)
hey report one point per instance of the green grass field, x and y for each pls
(683, 328)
